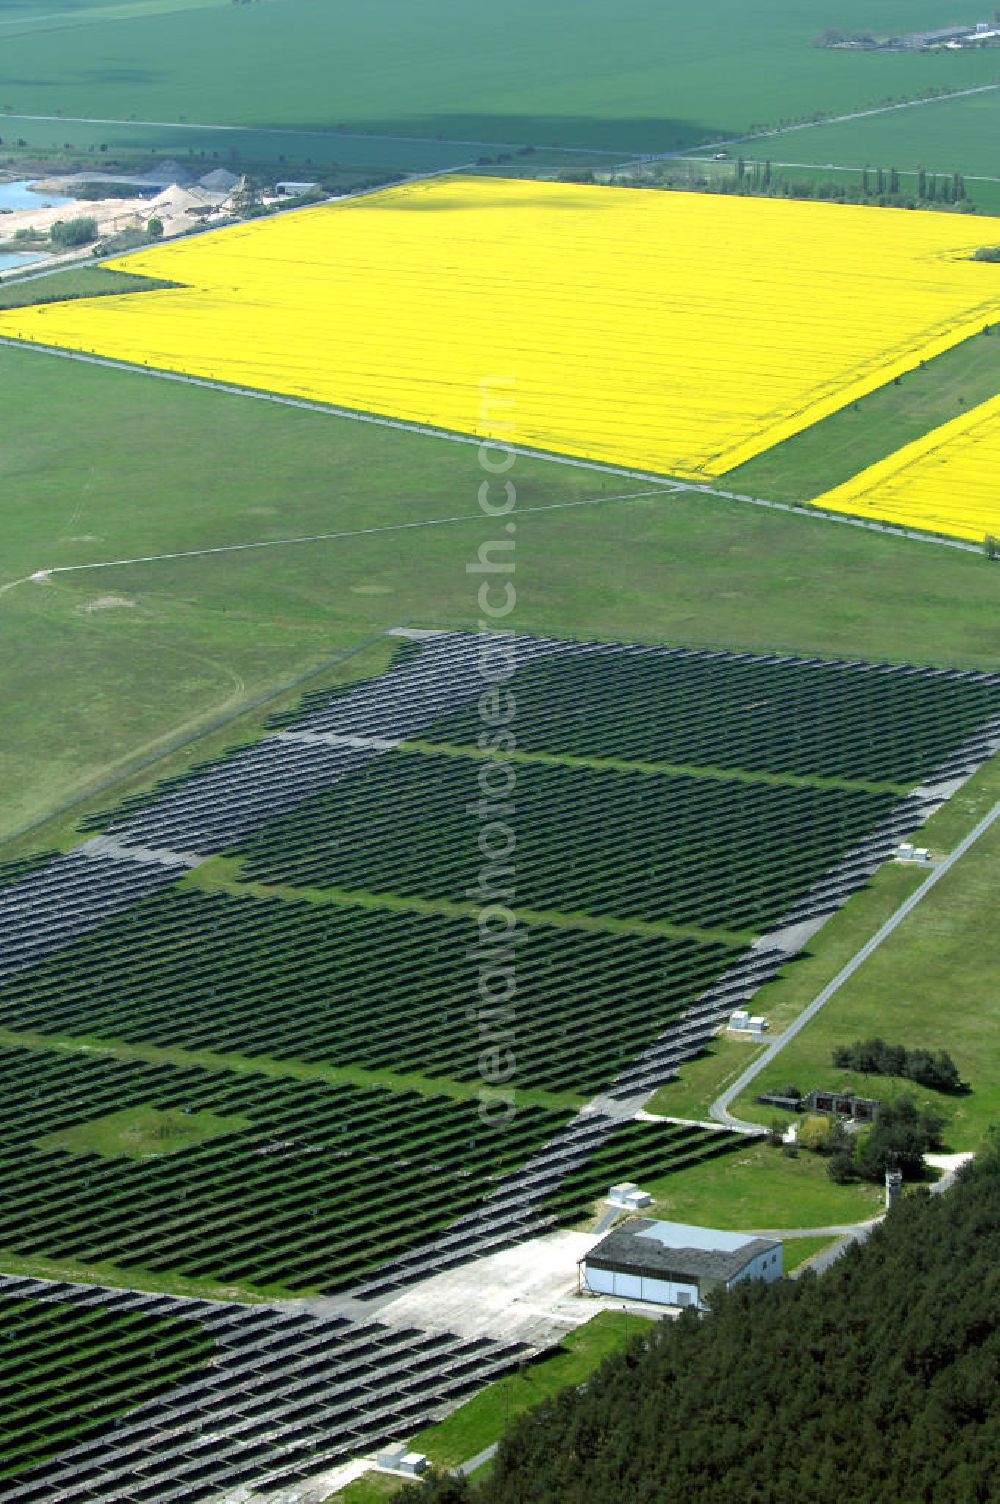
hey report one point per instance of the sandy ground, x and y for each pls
(172, 207)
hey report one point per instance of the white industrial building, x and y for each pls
(673, 1264)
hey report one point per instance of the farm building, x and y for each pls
(673, 1264)
(843, 1103)
(294, 190)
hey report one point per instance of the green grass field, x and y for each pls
(761, 1189)
(114, 665)
(933, 983)
(563, 74)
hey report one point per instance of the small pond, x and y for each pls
(10, 259)
(21, 195)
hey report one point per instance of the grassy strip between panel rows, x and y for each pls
(839, 447)
(261, 1065)
(687, 770)
(222, 874)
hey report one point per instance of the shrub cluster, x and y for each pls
(73, 232)
(899, 1139)
(934, 1069)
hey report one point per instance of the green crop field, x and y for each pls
(944, 135)
(561, 74)
(362, 978)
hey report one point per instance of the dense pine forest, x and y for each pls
(878, 1381)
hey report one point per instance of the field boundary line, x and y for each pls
(719, 1109)
(968, 177)
(807, 125)
(379, 420)
(289, 130)
(666, 489)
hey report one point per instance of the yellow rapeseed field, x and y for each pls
(948, 481)
(680, 333)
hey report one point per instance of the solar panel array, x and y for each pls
(709, 852)
(279, 1398)
(323, 1186)
(359, 1189)
(373, 987)
(811, 717)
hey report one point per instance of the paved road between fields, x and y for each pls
(719, 1109)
